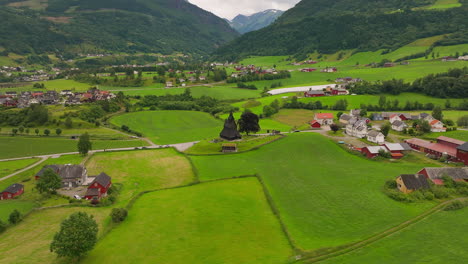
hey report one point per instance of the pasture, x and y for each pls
(326, 196)
(9, 167)
(20, 146)
(247, 143)
(437, 239)
(218, 222)
(140, 171)
(169, 127)
(8, 206)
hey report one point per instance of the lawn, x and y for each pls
(445, 4)
(210, 223)
(31, 146)
(295, 117)
(29, 241)
(57, 85)
(142, 170)
(169, 127)
(9, 167)
(326, 196)
(436, 239)
(7, 206)
(459, 134)
(247, 143)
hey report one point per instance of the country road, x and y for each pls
(24, 169)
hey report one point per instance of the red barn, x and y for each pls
(315, 124)
(314, 93)
(99, 186)
(372, 151)
(462, 153)
(12, 191)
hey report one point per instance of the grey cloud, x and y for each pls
(231, 8)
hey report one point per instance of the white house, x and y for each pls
(357, 129)
(399, 125)
(324, 119)
(394, 117)
(437, 126)
(376, 137)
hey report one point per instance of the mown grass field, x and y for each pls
(29, 241)
(247, 143)
(169, 127)
(6, 207)
(9, 167)
(437, 239)
(140, 171)
(326, 196)
(30, 146)
(459, 134)
(445, 4)
(210, 223)
(56, 85)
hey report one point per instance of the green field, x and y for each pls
(459, 134)
(56, 85)
(326, 196)
(169, 127)
(219, 222)
(6, 207)
(436, 239)
(140, 171)
(31, 146)
(247, 143)
(29, 241)
(445, 4)
(9, 167)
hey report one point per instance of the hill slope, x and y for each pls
(161, 26)
(329, 26)
(244, 24)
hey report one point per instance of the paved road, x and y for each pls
(300, 89)
(24, 169)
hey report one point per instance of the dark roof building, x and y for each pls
(230, 131)
(72, 175)
(436, 174)
(408, 183)
(103, 179)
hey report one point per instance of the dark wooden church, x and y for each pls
(230, 129)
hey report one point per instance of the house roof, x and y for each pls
(424, 115)
(451, 140)
(55, 168)
(345, 117)
(313, 122)
(230, 131)
(435, 121)
(92, 192)
(415, 181)
(229, 145)
(463, 147)
(315, 92)
(397, 146)
(374, 133)
(103, 179)
(399, 123)
(375, 149)
(71, 171)
(324, 116)
(14, 188)
(441, 148)
(454, 173)
(394, 115)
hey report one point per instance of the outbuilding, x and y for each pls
(408, 183)
(12, 191)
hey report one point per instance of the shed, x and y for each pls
(229, 147)
(408, 183)
(12, 191)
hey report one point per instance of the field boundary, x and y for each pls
(344, 249)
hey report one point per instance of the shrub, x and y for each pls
(429, 196)
(3, 226)
(417, 195)
(399, 196)
(391, 184)
(455, 205)
(118, 214)
(15, 217)
(440, 192)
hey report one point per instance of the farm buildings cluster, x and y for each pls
(66, 97)
(408, 183)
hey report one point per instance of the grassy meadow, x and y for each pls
(140, 171)
(169, 127)
(437, 239)
(20, 146)
(326, 196)
(218, 222)
(9, 167)
(6, 207)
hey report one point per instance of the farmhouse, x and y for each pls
(408, 183)
(394, 117)
(399, 125)
(373, 151)
(312, 93)
(375, 137)
(99, 187)
(357, 128)
(450, 147)
(437, 126)
(12, 191)
(425, 116)
(72, 175)
(345, 118)
(229, 147)
(436, 174)
(324, 119)
(397, 149)
(315, 124)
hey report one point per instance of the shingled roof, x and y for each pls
(230, 131)
(103, 179)
(463, 147)
(14, 188)
(92, 192)
(55, 168)
(415, 181)
(454, 173)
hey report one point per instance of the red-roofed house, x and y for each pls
(324, 118)
(437, 126)
(394, 117)
(315, 124)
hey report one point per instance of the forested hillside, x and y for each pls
(160, 26)
(330, 26)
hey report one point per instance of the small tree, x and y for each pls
(15, 217)
(21, 129)
(339, 114)
(3, 226)
(463, 121)
(248, 123)
(118, 214)
(46, 132)
(334, 128)
(58, 131)
(49, 182)
(425, 127)
(437, 113)
(36, 131)
(77, 235)
(14, 131)
(84, 144)
(27, 131)
(68, 123)
(385, 129)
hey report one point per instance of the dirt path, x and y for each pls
(25, 169)
(379, 236)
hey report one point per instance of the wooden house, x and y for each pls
(99, 187)
(12, 191)
(462, 153)
(408, 183)
(376, 137)
(372, 151)
(229, 147)
(315, 124)
(436, 174)
(324, 119)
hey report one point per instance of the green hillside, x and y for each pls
(330, 26)
(159, 26)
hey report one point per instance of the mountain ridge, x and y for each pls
(247, 23)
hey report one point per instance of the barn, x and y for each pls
(99, 187)
(372, 151)
(315, 124)
(462, 153)
(12, 191)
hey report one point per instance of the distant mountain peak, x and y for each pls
(247, 23)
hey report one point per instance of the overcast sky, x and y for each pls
(231, 8)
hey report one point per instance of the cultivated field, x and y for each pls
(9, 167)
(219, 222)
(169, 127)
(419, 243)
(326, 196)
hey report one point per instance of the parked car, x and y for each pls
(76, 196)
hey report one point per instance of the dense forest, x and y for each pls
(92, 26)
(330, 26)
